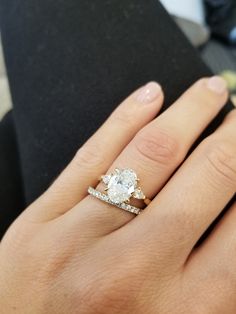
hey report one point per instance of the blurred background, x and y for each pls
(210, 25)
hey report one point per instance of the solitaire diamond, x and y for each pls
(122, 185)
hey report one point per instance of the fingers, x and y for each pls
(214, 262)
(95, 157)
(159, 148)
(198, 192)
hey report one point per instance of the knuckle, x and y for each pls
(124, 116)
(158, 146)
(221, 157)
(107, 294)
(89, 156)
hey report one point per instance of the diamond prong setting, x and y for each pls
(138, 194)
(121, 186)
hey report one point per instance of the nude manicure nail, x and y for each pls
(217, 85)
(149, 93)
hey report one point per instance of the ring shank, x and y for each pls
(103, 197)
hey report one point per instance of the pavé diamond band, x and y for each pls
(105, 198)
(121, 186)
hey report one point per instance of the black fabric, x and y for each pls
(217, 10)
(70, 63)
(221, 17)
(11, 196)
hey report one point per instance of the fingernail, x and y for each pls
(217, 85)
(149, 93)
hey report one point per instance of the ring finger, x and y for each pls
(96, 155)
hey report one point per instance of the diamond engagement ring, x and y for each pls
(121, 186)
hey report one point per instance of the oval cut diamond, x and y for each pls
(121, 185)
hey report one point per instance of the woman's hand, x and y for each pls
(71, 253)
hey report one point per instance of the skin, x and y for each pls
(71, 253)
